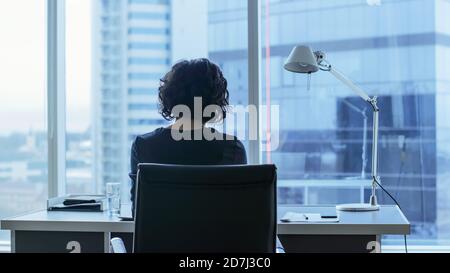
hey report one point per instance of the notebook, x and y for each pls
(293, 217)
(125, 212)
(87, 207)
(77, 203)
(81, 200)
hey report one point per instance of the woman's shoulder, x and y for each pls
(234, 142)
(151, 136)
(234, 152)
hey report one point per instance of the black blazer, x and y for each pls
(160, 148)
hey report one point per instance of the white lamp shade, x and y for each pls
(302, 60)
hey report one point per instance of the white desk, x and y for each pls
(58, 231)
(355, 232)
(45, 231)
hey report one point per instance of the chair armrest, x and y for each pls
(280, 250)
(118, 246)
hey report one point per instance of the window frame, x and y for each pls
(56, 98)
(254, 73)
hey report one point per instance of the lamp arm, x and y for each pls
(376, 117)
(350, 84)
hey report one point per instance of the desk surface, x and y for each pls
(389, 220)
(67, 221)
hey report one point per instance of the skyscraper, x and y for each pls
(131, 53)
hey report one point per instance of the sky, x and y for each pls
(23, 65)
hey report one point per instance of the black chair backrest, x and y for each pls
(205, 209)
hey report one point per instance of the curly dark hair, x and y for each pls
(188, 80)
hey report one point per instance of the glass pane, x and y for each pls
(23, 127)
(79, 148)
(220, 34)
(326, 131)
(117, 51)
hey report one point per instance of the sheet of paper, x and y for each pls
(307, 218)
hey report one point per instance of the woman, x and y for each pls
(184, 85)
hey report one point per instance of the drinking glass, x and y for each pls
(113, 197)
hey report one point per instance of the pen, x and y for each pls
(329, 217)
(306, 217)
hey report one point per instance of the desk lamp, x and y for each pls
(303, 60)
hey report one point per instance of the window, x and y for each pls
(79, 142)
(326, 131)
(217, 33)
(133, 44)
(117, 50)
(23, 127)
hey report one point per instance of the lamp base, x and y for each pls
(357, 207)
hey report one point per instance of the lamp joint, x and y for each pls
(374, 103)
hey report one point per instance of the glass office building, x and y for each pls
(392, 49)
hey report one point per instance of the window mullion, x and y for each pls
(56, 97)
(254, 74)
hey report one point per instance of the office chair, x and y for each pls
(117, 246)
(205, 209)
